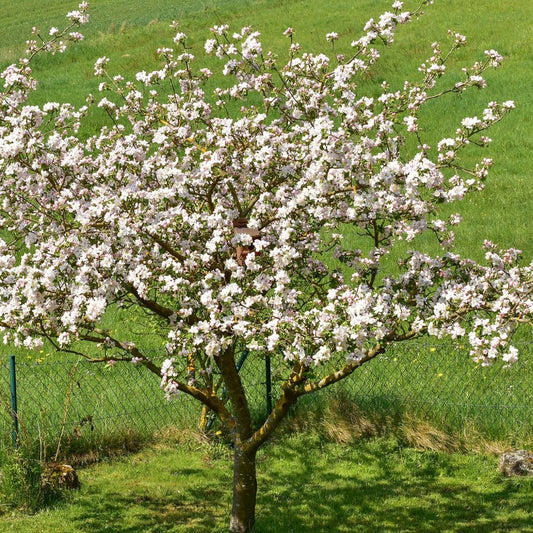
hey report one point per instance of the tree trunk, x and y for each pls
(244, 491)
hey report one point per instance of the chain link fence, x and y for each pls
(85, 403)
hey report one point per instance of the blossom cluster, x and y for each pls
(143, 213)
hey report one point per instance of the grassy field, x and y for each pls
(128, 33)
(374, 486)
(377, 484)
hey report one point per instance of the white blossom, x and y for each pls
(141, 218)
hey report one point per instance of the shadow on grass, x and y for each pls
(308, 486)
(152, 515)
(411, 491)
(138, 509)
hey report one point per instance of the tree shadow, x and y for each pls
(308, 486)
(138, 509)
(425, 497)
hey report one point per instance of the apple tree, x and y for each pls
(269, 214)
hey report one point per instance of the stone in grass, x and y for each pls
(516, 463)
(59, 476)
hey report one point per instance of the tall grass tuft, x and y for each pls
(339, 419)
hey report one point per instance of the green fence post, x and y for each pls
(14, 411)
(268, 383)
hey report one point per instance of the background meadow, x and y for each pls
(129, 32)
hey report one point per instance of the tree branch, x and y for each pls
(174, 253)
(334, 377)
(232, 380)
(152, 305)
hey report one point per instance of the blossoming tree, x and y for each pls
(224, 217)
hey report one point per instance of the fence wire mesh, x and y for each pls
(436, 382)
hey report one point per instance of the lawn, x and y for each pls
(128, 32)
(373, 485)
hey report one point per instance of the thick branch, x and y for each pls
(152, 305)
(236, 394)
(169, 249)
(211, 400)
(280, 410)
(334, 377)
(206, 397)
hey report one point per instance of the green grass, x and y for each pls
(431, 386)
(128, 33)
(375, 485)
(90, 406)
(464, 405)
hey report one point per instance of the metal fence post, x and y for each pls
(14, 411)
(268, 383)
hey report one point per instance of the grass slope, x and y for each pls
(128, 32)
